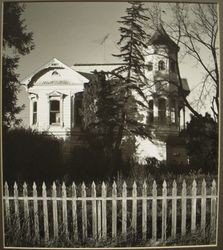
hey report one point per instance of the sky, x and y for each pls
(73, 33)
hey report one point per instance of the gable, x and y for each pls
(54, 73)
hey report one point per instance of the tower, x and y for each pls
(165, 107)
(164, 100)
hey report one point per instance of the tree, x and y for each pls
(195, 29)
(131, 75)
(202, 143)
(16, 42)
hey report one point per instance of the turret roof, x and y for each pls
(160, 37)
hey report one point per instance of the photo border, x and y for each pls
(219, 230)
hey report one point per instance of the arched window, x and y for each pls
(54, 112)
(150, 66)
(34, 112)
(162, 110)
(161, 65)
(150, 113)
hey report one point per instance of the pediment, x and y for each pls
(54, 71)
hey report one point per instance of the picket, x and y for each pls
(174, 210)
(114, 210)
(104, 211)
(154, 212)
(74, 211)
(16, 206)
(94, 211)
(213, 209)
(55, 213)
(99, 220)
(98, 205)
(144, 211)
(164, 210)
(7, 205)
(183, 208)
(84, 212)
(203, 208)
(124, 211)
(26, 210)
(193, 206)
(64, 209)
(35, 213)
(45, 214)
(134, 210)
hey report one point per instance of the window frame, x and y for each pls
(34, 112)
(161, 65)
(55, 112)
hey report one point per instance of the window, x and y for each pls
(34, 112)
(162, 110)
(55, 112)
(161, 65)
(150, 66)
(173, 111)
(150, 114)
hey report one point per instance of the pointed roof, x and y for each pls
(160, 37)
(54, 70)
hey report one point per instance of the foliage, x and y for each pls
(202, 143)
(16, 41)
(131, 74)
(30, 155)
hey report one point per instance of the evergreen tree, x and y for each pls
(16, 42)
(131, 74)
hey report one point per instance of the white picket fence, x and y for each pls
(125, 213)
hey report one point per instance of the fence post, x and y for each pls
(45, 214)
(154, 212)
(193, 206)
(64, 208)
(213, 209)
(174, 210)
(203, 208)
(183, 208)
(104, 211)
(74, 211)
(26, 210)
(94, 211)
(114, 210)
(144, 211)
(134, 210)
(16, 205)
(7, 206)
(55, 215)
(36, 214)
(124, 211)
(164, 210)
(84, 212)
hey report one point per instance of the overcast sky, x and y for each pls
(73, 32)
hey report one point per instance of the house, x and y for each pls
(56, 90)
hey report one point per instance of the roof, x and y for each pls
(90, 68)
(160, 37)
(54, 73)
